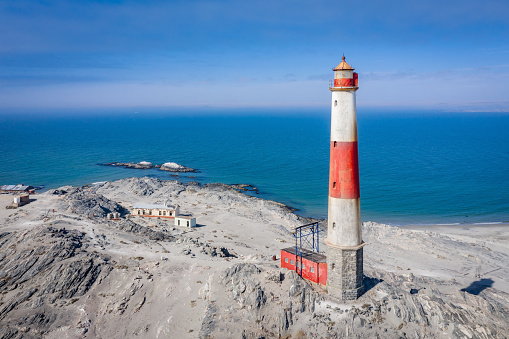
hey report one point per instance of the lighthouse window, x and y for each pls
(335, 102)
(332, 266)
(334, 184)
(333, 225)
(335, 143)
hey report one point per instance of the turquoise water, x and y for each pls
(415, 167)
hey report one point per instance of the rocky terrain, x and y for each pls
(67, 272)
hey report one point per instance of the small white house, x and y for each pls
(155, 211)
(185, 221)
(21, 200)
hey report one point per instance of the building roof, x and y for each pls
(188, 217)
(153, 206)
(343, 66)
(15, 187)
(307, 254)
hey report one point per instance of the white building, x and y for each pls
(155, 211)
(185, 220)
(164, 211)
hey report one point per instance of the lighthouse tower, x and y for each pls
(344, 240)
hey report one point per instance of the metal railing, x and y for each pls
(305, 236)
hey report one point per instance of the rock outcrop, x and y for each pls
(174, 167)
(86, 202)
(205, 248)
(168, 166)
(394, 306)
(244, 289)
(40, 271)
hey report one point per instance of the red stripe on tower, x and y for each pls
(344, 82)
(344, 170)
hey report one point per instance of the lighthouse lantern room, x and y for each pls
(344, 75)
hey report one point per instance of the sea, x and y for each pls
(416, 167)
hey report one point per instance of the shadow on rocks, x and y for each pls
(370, 282)
(477, 287)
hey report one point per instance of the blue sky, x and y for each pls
(450, 55)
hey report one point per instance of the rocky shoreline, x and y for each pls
(67, 271)
(168, 166)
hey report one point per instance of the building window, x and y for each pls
(303, 266)
(312, 269)
(139, 212)
(188, 224)
(160, 213)
(333, 225)
(179, 222)
(333, 265)
(143, 212)
(298, 264)
(291, 262)
(335, 102)
(286, 260)
(150, 212)
(334, 184)
(164, 212)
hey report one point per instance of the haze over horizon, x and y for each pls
(89, 54)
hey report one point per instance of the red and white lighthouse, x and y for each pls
(344, 239)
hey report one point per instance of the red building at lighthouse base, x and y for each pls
(311, 266)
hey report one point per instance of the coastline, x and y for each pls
(253, 190)
(188, 175)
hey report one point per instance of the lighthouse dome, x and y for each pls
(343, 66)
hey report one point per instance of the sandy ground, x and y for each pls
(487, 256)
(162, 289)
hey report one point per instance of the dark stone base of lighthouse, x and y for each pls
(345, 274)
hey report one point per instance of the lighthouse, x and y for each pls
(344, 238)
